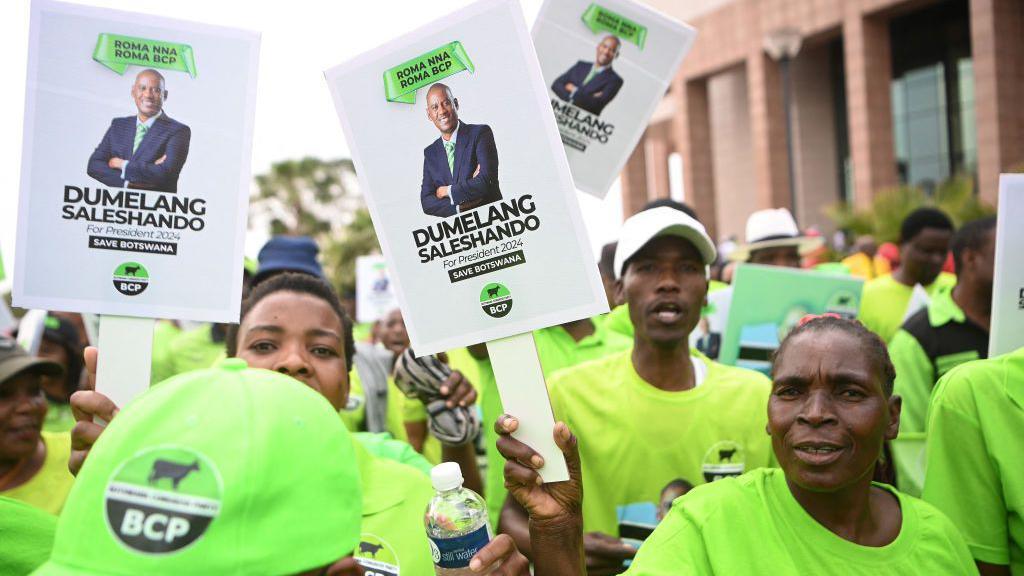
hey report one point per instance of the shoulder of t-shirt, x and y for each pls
(584, 371)
(736, 377)
(958, 388)
(931, 521)
(876, 284)
(398, 474)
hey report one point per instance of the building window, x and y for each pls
(844, 173)
(932, 95)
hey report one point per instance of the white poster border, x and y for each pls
(393, 49)
(227, 314)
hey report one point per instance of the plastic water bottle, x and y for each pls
(456, 522)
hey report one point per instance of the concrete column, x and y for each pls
(997, 49)
(768, 130)
(868, 61)
(634, 181)
(692, 128)
(656, 150)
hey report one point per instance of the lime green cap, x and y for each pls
(229, 470)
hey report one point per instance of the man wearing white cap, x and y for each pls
(656, 412)
(773, 239)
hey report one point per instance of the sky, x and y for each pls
(294, 113)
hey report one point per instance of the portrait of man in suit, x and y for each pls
(592, 85)
(460, 168)
(145, 150)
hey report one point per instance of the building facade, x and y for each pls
(881, 93)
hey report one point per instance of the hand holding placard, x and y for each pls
(521, 385)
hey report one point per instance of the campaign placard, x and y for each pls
(375, 294)
(769, 301)
(458, 156)
(135, 167)
(606, 65)
(1008, 284)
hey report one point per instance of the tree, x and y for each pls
(307, 197)
(320, 199)
(339, 256)
(955, 197)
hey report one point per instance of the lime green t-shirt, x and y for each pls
(191, 350)
(975, 471)
(413, 411)
(883, 304)
(59, 417)
(26, 537)
(635, 438)
(393, 540)
(916, 375)
(753, 525)
(557, 350)
(382, 445)
(48, 489)
(164, 332)
(361, 332)
(460, 359)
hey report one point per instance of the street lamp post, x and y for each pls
(782, 46)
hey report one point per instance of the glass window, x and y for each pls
(932, 95)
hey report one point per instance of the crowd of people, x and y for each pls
(296, 442)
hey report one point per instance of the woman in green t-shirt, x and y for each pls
(33, 463)
(829, 413)
(294, 324)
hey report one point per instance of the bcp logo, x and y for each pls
(496, 300)
(131, 278)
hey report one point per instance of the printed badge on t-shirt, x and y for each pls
(376, 556)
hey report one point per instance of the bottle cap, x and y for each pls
(446, 476)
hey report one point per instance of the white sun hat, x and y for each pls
(643, 227)
(773, 228)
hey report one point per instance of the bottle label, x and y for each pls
(457, 552)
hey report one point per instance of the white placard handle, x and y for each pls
(524, 394)
(125, 353)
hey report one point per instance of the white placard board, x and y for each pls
(135, 169)
(606, 67)
(1007, 332)
(375, 295)
(475, 253)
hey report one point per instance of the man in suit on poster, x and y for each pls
(592, 85)
(146, 150)
(460, 168)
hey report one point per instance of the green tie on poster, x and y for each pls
(402, 81)
(118, 52)
(600, 19)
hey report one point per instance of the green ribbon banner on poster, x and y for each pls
(600, 19)
(119, 52)
(402, 81)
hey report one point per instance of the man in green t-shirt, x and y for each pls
(951, 330)
(975, 450)
(657, 412)
(925, 235)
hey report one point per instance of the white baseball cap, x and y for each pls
(772, 228)
(643, 227)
